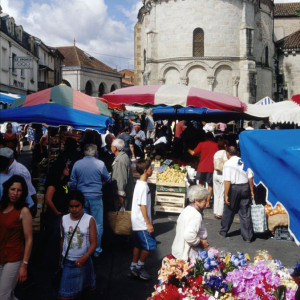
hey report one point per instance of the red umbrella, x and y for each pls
(296, 98)
(175, 95)
(112, 105)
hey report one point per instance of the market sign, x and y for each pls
(23, 62)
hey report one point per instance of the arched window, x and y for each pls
(198, 42)
(113, 88)
(266, 56)
(101, 90)
(88, 89)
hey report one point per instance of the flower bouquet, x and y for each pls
(214, 275)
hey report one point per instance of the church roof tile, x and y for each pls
(286, 9)
(77, 57)
(291, 41)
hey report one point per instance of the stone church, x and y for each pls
(220, 45)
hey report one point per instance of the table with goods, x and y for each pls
(170, 194)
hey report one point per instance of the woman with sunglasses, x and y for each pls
(15, 236)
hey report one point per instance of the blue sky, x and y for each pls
(103, 28)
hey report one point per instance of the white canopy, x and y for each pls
(279, 112)
(265, 101)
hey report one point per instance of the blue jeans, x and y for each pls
(94, 206)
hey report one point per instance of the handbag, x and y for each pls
(58, 273)
(120, 222)
(218, 164)
(258, 217)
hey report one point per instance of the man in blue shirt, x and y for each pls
(139, 140)
(87, 176)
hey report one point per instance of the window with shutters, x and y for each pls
(198, 42)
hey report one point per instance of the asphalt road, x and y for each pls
(112, 265)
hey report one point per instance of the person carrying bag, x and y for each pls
(57, 276)
(258, 217)
(79, 242)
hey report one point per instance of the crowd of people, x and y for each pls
(95, 176)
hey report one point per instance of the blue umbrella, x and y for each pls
(8, 98)
(169, 112)
(55, 115)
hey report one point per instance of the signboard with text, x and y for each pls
(23, 62)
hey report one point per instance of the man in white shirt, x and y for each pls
(239, 187)
(150, 126)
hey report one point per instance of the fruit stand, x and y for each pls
(170, 194)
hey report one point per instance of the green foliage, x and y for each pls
(199, 268)
(229, 268)
(280, 292)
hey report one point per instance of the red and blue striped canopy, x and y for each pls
(66, 96)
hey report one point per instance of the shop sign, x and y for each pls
(23, 62)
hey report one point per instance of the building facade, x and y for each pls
(128, 77)
(15, 42)
(219, 45)
(43, 63)
(287, 41)
(87, 74)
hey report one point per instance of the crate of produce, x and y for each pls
(171, 209)
(171, 200)
(282, 233)
(170, 189)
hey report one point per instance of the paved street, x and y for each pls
(112, 265)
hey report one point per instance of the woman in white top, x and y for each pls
(191, 234)
(78, 276)
(220, 158)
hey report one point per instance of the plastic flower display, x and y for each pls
(213, 275)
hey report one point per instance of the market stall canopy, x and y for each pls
(65, 96)
(274, 157)
(265, 101)
(136, 109)
(191, 113)
(112, 105)
(279, 112)
(175, 95)
(8, 98)
(296, 98)
(55, 115)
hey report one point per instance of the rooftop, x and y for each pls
(291, 41)
(286, 9)
(77, 57)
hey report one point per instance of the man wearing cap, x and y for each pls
(139, 140)
(15, 168)
(239, 187)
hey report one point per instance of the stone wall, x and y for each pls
(165, 33)
(78, 79)
(289, 66)
(285, 26)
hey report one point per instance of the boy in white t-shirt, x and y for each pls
(142, 227)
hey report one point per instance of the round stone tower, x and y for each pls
(219, 45)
